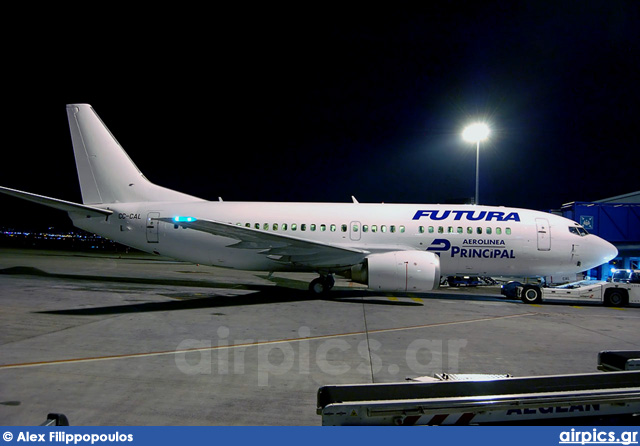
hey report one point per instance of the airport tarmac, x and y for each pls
(132, 339)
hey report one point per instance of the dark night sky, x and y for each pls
(317, 104)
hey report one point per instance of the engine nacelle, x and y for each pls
(416, 271)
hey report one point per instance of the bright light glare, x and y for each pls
(475, 132)
(181, 219)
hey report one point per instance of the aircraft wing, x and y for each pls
(279, 247)
(56, 203)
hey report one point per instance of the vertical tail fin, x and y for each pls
(106, 173)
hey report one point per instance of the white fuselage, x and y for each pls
(482, 240)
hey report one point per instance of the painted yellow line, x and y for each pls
(417, 299)
(252, 344)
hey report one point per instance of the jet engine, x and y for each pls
(411, 271)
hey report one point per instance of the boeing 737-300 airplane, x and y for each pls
(389, 247)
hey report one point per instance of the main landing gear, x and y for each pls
(322, 285)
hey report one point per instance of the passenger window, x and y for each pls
(460, 229)
(365, 228)
(248, 225)
(333, 228)
(431, 229)
(303, 227)
(313, 227)
(440, 230)
(401, 229)
(499, 231)
(284, 226)
(275, 226)
(344, 228)
(488, 230)
(355, 228)
(265, 226)
(421, 230)
(507, 231)
(392, 228)
(450, 230)
(383, 228)
(479, 230)
(294, 226)
(257, 226)
(469, 230)
(374, 228)
(323, 227)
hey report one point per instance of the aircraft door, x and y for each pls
(544, 234)
(152, 227)
(355, 230)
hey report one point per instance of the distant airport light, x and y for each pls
(180, 219)
(475, 133)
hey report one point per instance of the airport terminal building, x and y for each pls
(616, 220)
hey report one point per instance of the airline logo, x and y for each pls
(473, 249)
(467, 215)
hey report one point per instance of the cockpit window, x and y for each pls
(578, 230)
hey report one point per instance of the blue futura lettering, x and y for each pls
(467, 215)
(472, 217)
(435, 216)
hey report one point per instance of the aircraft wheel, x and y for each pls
(317, 286)
(531, 295)
(321, 285)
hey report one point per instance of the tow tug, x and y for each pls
(613, 294)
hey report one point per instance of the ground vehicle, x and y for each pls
(626, 276)
(591, 398)
(614, 294)
(463, 281)
(510, 289)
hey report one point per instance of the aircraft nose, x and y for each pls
(597, 251)
(609, 251)
(603, 251)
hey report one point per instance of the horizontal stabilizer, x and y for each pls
(56, 203)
